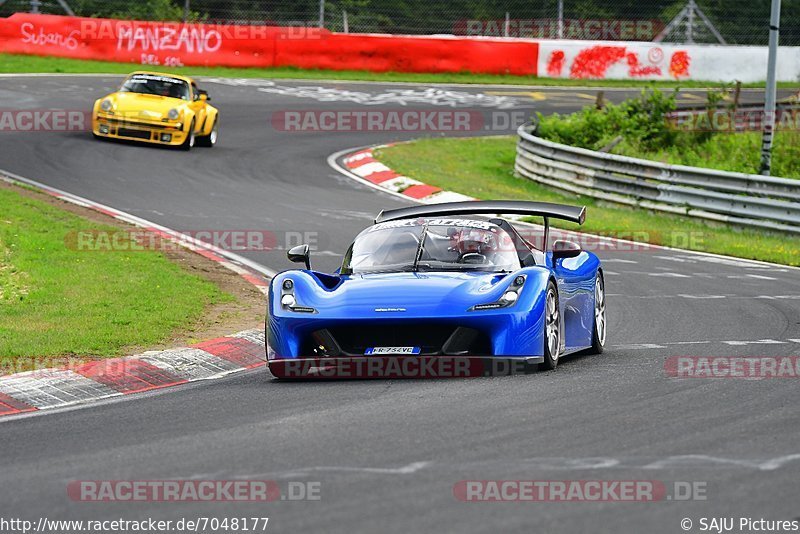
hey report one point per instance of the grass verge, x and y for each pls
(483, 168)
(735, 152)
(17, 63)
(56, 301)
(642, 127)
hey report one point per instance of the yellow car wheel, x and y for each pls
(210, 139)
(188, 143)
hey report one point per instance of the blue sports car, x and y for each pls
(437, 281)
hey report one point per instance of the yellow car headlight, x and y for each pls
(106, 105)
(173, 114)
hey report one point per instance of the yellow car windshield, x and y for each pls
(150, 84)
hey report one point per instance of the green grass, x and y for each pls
(15, 63)
(483, 168)
(737, 152)
(56, 301)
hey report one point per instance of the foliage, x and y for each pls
(643, 119)
(646, 131)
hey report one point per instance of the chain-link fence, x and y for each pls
(678, 21)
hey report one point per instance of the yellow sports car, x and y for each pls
(164, 109)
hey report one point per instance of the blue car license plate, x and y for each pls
(381, 351)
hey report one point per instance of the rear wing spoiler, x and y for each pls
(576, 214)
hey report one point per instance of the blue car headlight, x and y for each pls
(289, 301)
(509, 297)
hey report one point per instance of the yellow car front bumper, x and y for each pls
(162, 133)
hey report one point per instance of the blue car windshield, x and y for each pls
(432, 245)
(151, 84)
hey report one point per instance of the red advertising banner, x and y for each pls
(178, 44)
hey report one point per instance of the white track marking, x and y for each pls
(659, 275)
(729, 342)
(638, 346)
(684, 461)
(690, 461)
(409, 469)
(723, 260)
(756, 342)
(675, 259)
(571, 463)
(736, 276)
(430, 96)
(688, 296)
(702, 460)
(617, 260)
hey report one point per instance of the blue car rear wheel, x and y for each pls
(552, 329)
(600, 322)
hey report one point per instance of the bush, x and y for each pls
(643, 119)
(647, 133)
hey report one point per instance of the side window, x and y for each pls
(195, 92)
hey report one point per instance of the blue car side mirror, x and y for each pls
(565, 249)
(300, 254)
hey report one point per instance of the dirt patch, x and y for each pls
(246, 312)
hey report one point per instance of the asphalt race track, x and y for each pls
(388, 453)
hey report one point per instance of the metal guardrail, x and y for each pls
(730, 197)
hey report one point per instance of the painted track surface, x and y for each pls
(388, 452)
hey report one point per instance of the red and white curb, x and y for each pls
(362, 166)
(365, 167)
(102, 379)
(44, 389)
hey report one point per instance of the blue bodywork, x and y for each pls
(406, 303)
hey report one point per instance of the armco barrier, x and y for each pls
(175, 44)
(738, 198)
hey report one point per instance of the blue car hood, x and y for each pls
(429, 294)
